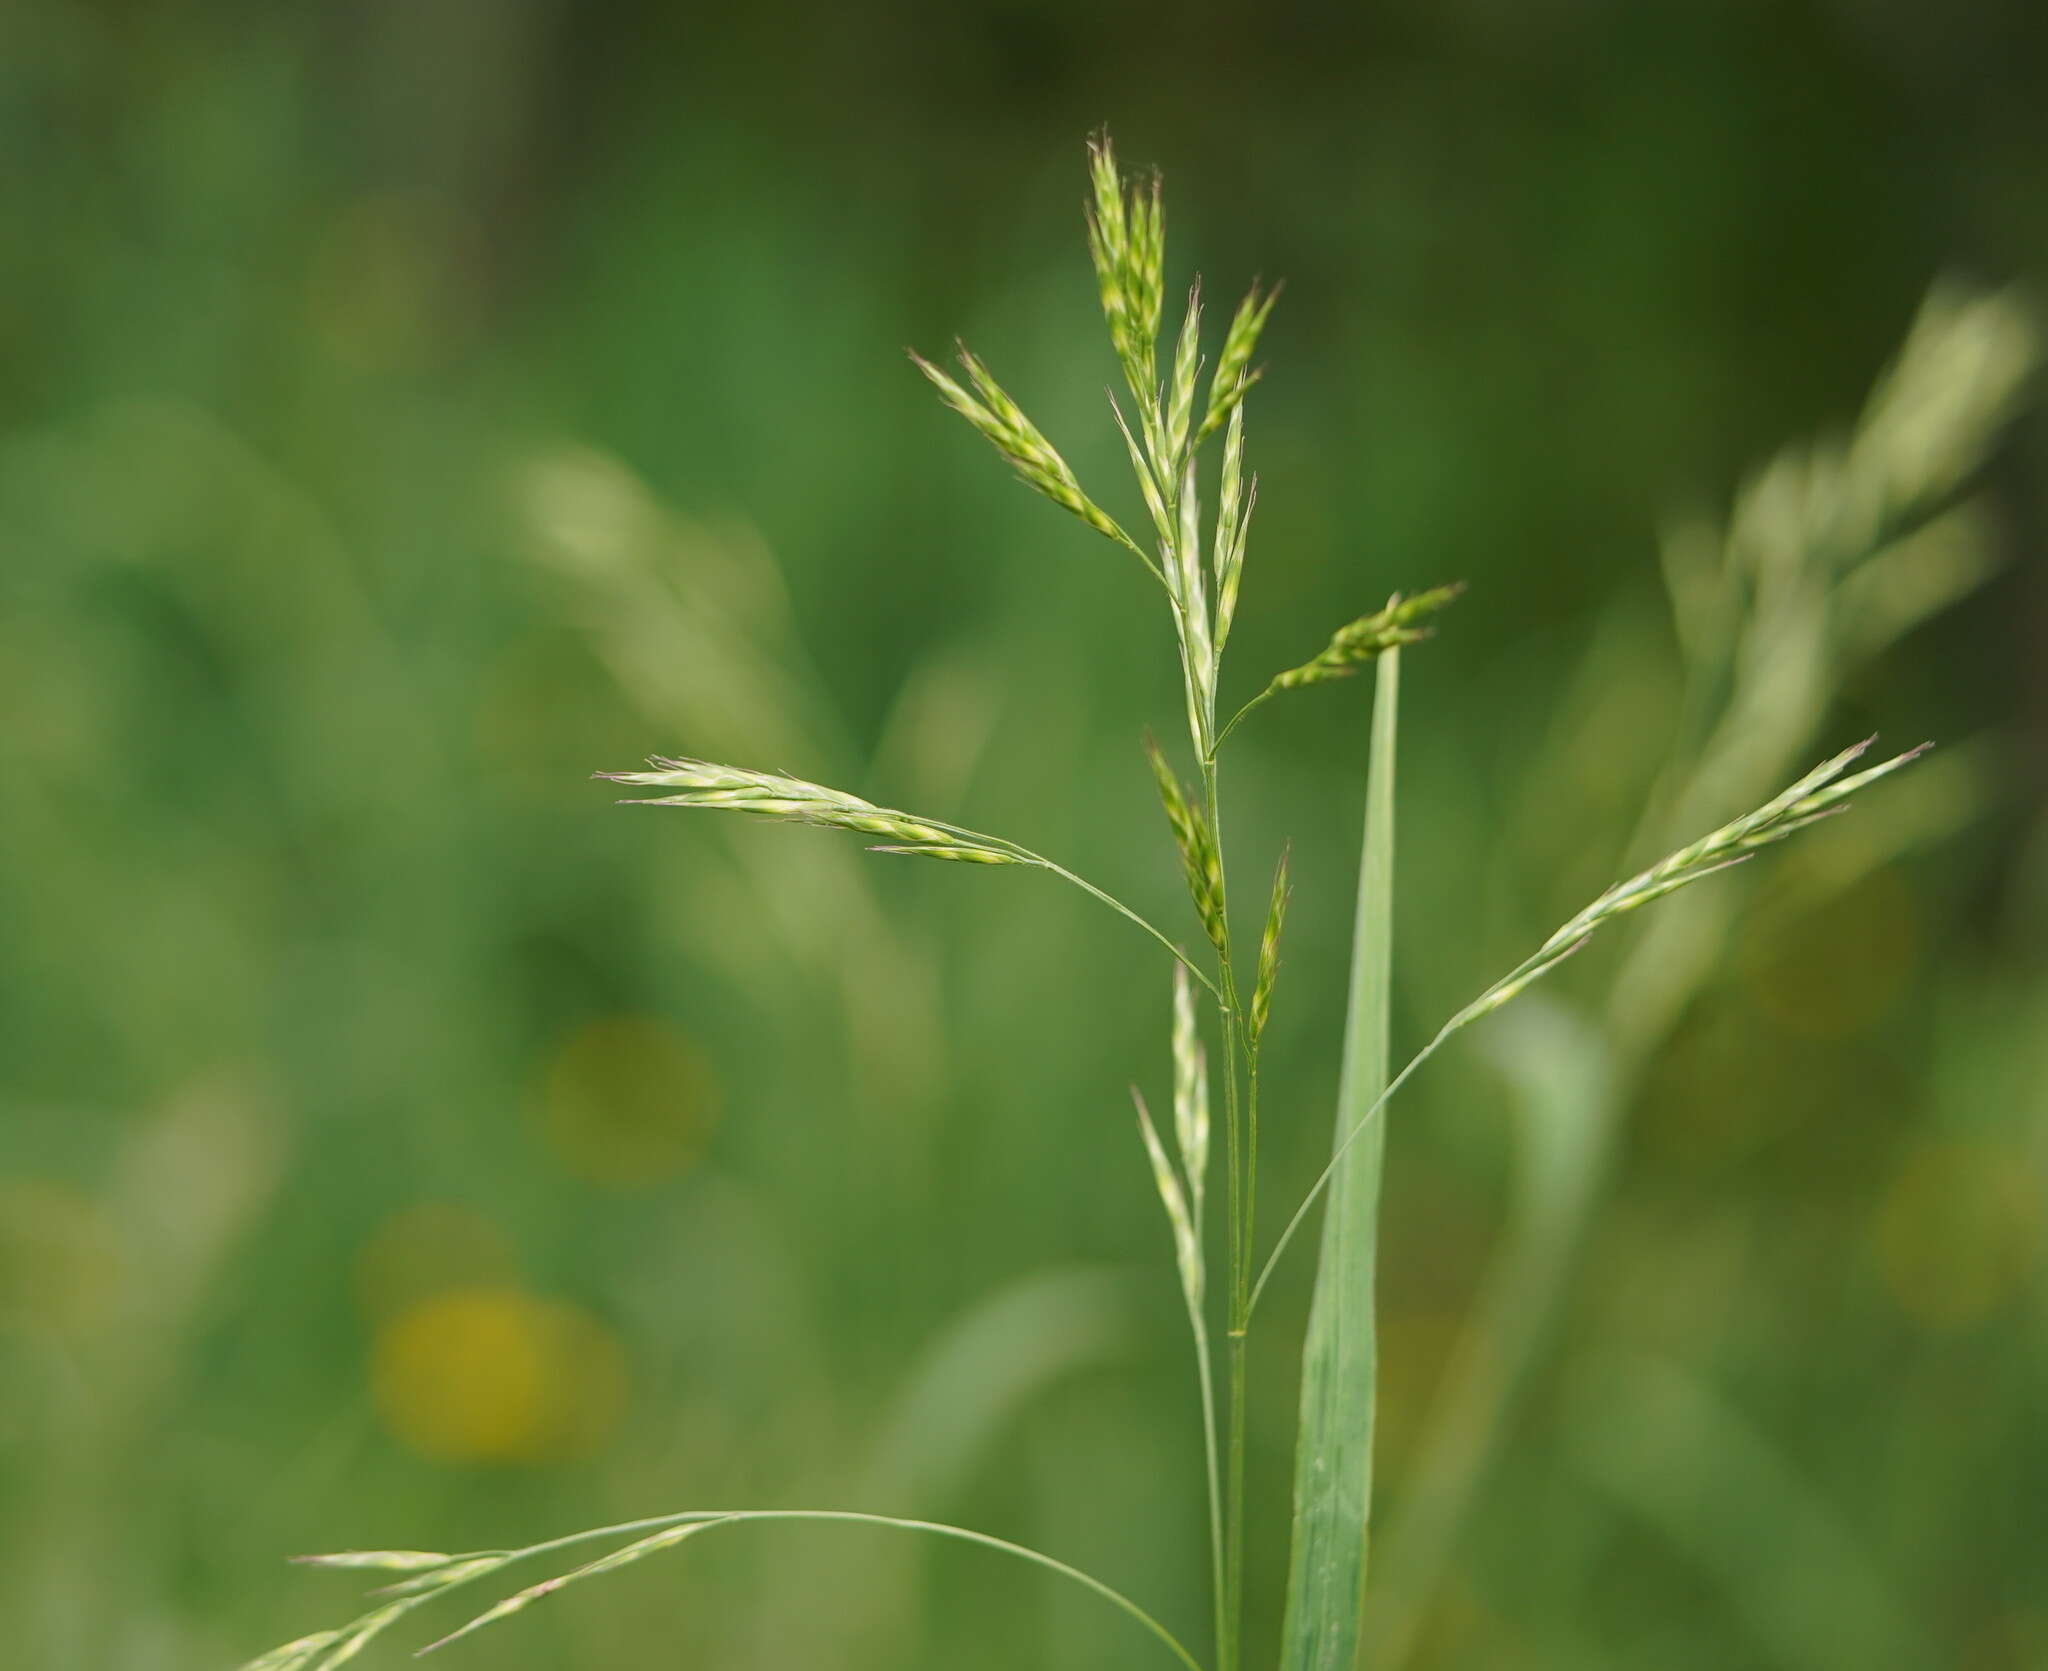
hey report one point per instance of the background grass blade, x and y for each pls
(1333, 1450)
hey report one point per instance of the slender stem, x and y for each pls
(1119, 906)
(1251, 1146)
(1242, 1169)
(1240, 714)
(1316, 1189)
(1235, 1545)
(1114, 1597)
(1530, 968)
(1205, 1362)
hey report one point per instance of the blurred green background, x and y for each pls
(411, 406)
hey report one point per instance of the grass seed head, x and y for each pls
(1269, 951)
(1198, 856)
(1187, 1246)
(1003, 424)
(294, 1656)
(1234, 373)
(1355, 644)
(1187, 366)
(1821, 793)
(1127, 242)
(701, 783)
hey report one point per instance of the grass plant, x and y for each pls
(1186, 438)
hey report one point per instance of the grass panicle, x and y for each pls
(1905, 454)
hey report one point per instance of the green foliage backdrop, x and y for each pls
(408, 409)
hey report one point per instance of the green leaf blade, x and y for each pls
(1333, 1455)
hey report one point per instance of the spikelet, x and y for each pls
(1180, 393)
(701, 783)
(1233, 518)
(1198, 857)
(1191, 600)
(1269, 952)
(294, 1656)
(1187, 1246)
(1352, 646)
(1127, 242)
(1190, 1089)
(1148, 484)
(652, 1544)
(1233, 366)
(1821, 793)
(376, 1560)
(1002, 422)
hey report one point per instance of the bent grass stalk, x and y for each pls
(1126, 238)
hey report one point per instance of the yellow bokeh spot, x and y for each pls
(1958, 1231)
(627, 1100)
(495, 1374)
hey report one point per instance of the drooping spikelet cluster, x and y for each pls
(1352, 646)
(700, 783)
(1821, 793)
(1003, 423)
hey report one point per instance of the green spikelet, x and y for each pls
(1127, 243)
(1187, 1246)
(1197, 847)
(1233, 366)
(1352, 646)
(1233, 519)
(1269, 951)
(1003, 424)
(1187, 366)
(1190, 1089)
